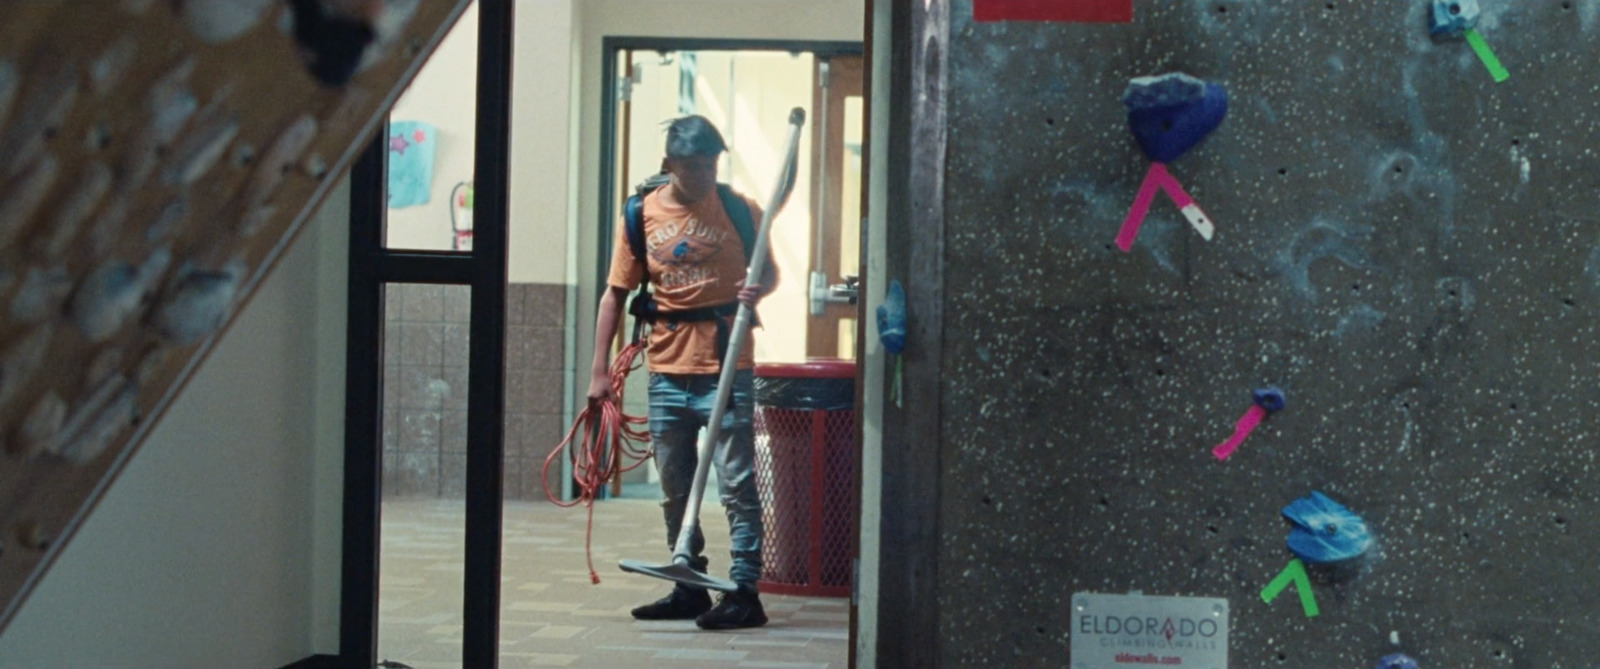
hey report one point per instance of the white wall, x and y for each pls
(445, 94)
(219, 544)
(541, 140)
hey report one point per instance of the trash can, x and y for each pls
(806, 455)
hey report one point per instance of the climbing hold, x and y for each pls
(892, 319)
(218, 21)
(1269, 398)
(1266, 401)
(113, 293)
(42, 424)
(1171, 113)
(91, 427)
(42, 293)
(201, 150)
(197, 305)
(278, 159)
(1453, 18)
(1397, 661)
(107, 71)
(1325, 532)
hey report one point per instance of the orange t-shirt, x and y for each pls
(696, 259)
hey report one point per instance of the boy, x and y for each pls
(696, 259)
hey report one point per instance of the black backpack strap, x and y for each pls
(633, 223)
(739, 212)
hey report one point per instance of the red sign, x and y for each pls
(1070, 11)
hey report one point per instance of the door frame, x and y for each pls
(610, 48)
(484, 270)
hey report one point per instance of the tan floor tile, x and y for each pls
(542, 606)
(539, 659)
(559, 632)
(546, 589)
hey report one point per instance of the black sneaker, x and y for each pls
(682, 603)
(734, 610)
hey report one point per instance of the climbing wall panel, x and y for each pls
(1408, 248)
(156, 158)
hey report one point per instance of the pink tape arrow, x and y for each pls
(1158, 178)
(1247, 423)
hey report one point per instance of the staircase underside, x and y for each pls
(156, 159)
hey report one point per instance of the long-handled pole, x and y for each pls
(682, 553)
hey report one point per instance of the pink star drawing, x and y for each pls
(419, 137)
(399, 144)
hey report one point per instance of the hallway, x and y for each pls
(554, 617)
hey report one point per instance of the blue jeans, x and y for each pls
(680, 404)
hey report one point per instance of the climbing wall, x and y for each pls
(156, 157)
(1408, 249)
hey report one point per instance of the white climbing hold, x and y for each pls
(197, 305)
(201, 150)
(277, 160)
(42, 293)
(107, 71)
(90, 427)
(218, 21)
(113, 293)
(42, 425)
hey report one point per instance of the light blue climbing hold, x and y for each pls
(1453, 18)
(1397, 661)
(1325, 532)
(892, 319)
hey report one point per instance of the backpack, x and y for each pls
(643, 307)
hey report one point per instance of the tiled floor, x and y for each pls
(552, 616)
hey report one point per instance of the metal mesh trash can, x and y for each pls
(805, 469)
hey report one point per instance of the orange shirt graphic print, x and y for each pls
(696, 259)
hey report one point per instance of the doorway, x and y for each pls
(746, 89)
(477, 570)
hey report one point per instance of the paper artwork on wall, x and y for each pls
(412, 147)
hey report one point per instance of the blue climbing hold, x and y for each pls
(1453, 18)
(892, 319)
(1325, 532)
(1270, 398)
(1171, 113)
(1397, 661)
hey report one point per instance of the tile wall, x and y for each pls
(425, 381)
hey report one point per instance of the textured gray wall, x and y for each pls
(1428, 307)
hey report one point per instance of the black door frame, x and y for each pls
(484, 270)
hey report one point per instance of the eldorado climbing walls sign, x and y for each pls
(1069, 11)
(1122, 631)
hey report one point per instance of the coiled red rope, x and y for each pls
(603, 443)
